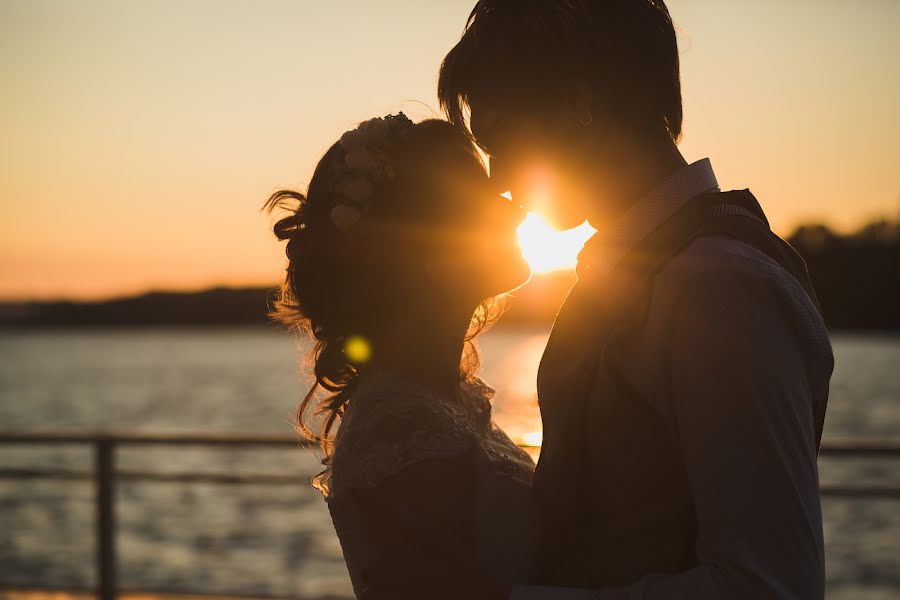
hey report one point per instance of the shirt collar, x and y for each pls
(605, 249)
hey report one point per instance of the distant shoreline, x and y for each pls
(869, 334)
(856, 278)
(233, 307)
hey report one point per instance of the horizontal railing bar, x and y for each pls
(175, 439)
(860, 447)
(832, 447)
(224, 478)
(874, 491)
(144, 594)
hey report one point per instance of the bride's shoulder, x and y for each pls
(390, 424)
(386, 407)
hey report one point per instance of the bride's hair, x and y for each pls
(342, 285)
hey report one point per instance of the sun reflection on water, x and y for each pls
(512, 371)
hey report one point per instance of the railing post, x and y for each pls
(105, 466)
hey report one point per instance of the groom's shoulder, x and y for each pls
(731, 270)
(712, 255)
(727, 289)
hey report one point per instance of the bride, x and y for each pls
(394, 256)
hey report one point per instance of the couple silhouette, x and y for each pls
(684, 385)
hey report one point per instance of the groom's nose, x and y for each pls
(532, 185)
(513, 213)
(501, 213)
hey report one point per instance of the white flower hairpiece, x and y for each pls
(365, 164)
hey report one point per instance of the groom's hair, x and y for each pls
(532, 49)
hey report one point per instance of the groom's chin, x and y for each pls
(565, 221)
(560, 216)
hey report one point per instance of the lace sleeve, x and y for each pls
(383, 433)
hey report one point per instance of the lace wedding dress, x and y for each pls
(429, 498)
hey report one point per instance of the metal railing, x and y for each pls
(105, 474)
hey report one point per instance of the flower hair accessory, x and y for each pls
(365, 164)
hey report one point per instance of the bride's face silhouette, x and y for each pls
(475, 252)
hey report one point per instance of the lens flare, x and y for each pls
(358, 349)
(547, 249)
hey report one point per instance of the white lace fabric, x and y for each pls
(390, 424)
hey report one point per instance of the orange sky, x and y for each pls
(140, 138)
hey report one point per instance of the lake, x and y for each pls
(278, 539)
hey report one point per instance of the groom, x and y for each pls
(683, 388)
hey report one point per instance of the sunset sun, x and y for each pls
(547, 249)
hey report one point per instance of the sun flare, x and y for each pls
(547, 249)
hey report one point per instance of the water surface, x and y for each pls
(278, 540)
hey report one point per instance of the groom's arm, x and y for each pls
(741, 411)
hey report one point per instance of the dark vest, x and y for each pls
(612, 489)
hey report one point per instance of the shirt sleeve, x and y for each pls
(741, 410)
